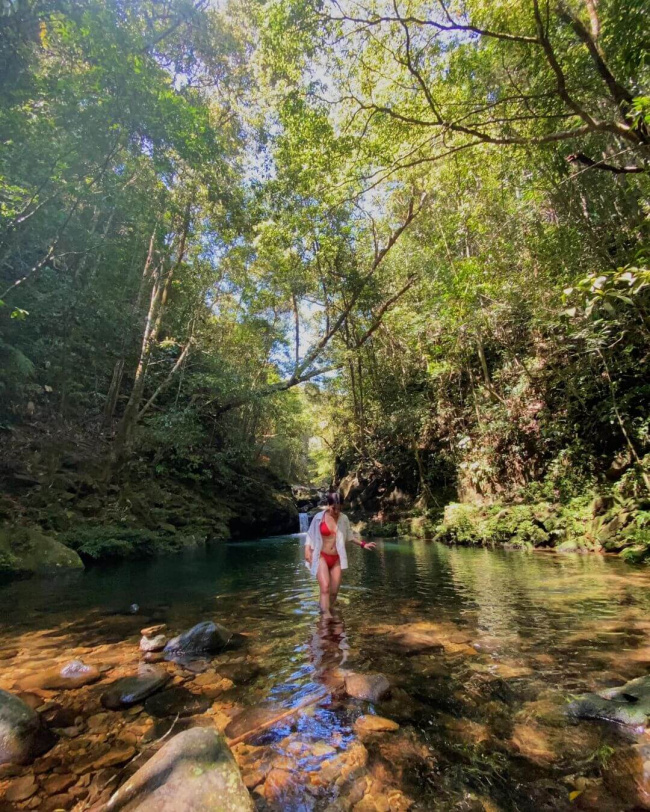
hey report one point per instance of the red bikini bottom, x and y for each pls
(330, 559)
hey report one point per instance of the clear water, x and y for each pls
(522, 634)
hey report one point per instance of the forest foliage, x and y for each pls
(401, 243)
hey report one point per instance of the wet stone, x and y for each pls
(21, 789)
(252, 719)
(204, 638)
(116, 755)
(22, 735)
(56, 784)
(371, 687)
(132, 690)
(374, 724)
(176, 701)
(73, 675)
(627, 775)
(239, 673)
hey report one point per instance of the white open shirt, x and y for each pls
(315, 540)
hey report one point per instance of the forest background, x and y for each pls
(400, 247)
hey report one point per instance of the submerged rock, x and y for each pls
(22, 736)
(204, 638)
(253, 719)
(371, 687)
(239, 673)
(176, 701)
(195, 770)
(72, 675)
(627, 775)
(25, 551)
(21, 789)
(374, 724)
(131, 690)
(626, 705)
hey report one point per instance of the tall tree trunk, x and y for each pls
(155, 313)
(118, 369)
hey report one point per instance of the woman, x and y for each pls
(325, 555)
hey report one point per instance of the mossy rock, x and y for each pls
(25, 551)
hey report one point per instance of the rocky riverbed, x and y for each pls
(446, 682)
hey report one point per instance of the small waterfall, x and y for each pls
(303, 518)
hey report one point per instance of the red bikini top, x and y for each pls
(324, 529)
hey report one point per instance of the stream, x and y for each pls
(482, 649)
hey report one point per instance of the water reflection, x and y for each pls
(328, 650)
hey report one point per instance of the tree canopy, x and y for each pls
(403, 239)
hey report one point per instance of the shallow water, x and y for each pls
(508, 639)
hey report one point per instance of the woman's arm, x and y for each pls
(310, 542)
(352, 536)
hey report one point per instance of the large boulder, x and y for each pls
(204, 638)
(25, 552)
(193, 771)
(22, 736)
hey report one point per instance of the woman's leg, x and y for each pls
(335, 582)
(323, 575)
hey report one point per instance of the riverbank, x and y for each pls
(66, 499)
(604, 523)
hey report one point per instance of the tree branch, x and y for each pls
(581, 158)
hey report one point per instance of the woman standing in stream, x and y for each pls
(325, 554)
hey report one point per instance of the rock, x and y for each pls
(119, 754)
(469, 732)
(627, 705)
(279, 786)
(156, 643)
(414, 638)
(154, 657)
(131, 690)
(176, 701)
(25, 552)
(345, 766)
(22, 736)
(251, 719)
(8, 653)
(533, 743)
(371, 687)
(195, 770)
(152, 631)
(374, 724)
(239, 673)
(21, 789)
(59, 783)
(57, 716)
(627, 775)
(72, 675)
(204, 638)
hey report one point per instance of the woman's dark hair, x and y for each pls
(334, 498)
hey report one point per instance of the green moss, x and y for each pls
(26, 551)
